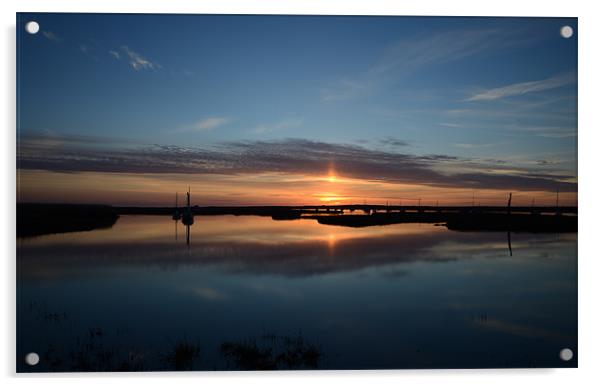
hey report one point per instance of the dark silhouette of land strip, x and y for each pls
(38, 219)
(481, 218)
(516, 222)
(41, 219)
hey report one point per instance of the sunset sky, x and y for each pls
(276, 110)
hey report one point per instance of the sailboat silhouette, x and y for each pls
(188, 216)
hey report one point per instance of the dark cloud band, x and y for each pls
(294, 156)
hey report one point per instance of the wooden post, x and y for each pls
(509, 202)
(533, 206)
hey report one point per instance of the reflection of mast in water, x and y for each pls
(176, 224)
(509, 244)
(188, 235)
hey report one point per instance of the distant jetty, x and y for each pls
(41, 219)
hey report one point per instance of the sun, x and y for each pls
(332, 178)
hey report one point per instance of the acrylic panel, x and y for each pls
(273, 192)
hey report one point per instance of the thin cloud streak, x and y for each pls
(282, 125)
(346, 89)
(211, 123)
(52, 36)
(413, 53)
(205, 124)
(548, 132)
(524, 88)
(473, 145)
(393, 142)
(138, 62)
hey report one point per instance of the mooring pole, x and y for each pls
(509, 201)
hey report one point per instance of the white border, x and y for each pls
(590, 194)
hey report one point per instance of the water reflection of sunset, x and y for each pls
(332, 242)
(261, 245)
(256, 229)
(313, 273)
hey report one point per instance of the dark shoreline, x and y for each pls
(40, 219)
(484, 218)
(462, 222)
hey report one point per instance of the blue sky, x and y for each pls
(491, 91)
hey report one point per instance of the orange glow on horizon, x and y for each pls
(255, 189)
(329, 198)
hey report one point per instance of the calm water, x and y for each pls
(252, 292)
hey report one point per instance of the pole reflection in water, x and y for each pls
(176, 223)
(188, 235)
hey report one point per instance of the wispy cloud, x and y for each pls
(413, 53)
(138, 62)
(346, 89)
(52, 36)
(452, 125)
(393, 142)
(282, 125)
(546, 131)
(114, 54)
(559, 135)
(410, 54)
(205, 124)
(47, 140)
(293, 156)
(545, 162)
(473, 145)
(212, 123)
(524, 88)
